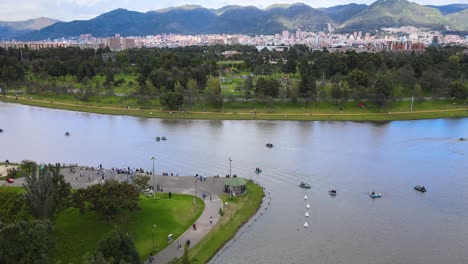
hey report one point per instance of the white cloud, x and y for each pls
(78, 2)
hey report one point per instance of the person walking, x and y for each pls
(211, 220)
(179, 245)
(151, 258)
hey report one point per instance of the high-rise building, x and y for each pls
(285, 34)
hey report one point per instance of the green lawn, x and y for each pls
(239, 211)
(242, 110)
(78, 234)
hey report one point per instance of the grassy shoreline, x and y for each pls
(240, 210)
(441, 110)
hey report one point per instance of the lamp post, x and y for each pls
(152, 234)
(230, 177)
(152, 176)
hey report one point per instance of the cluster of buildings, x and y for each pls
(389, 39)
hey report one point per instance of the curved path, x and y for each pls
(203, 222)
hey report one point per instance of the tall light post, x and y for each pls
(152, 234)
(152, 176)
(230, 177)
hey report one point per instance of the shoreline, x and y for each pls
(80, 176)
(195, 115)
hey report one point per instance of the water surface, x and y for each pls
(402, 227)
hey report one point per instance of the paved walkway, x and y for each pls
(202, 223)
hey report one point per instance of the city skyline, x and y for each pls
(68, 10)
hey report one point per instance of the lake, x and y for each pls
(404, 226)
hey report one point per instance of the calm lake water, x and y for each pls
(404, 226)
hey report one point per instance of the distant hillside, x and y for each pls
(395, 13)
(459, 20)
(190, 20)
(341, 13)
(12, 29)
(193, 19)
(449, 9)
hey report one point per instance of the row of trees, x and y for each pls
(185, 72)
(26, 218)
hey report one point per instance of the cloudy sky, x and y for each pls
(66, 10)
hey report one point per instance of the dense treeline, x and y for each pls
(182, 76)
(27, 216)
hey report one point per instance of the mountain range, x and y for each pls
(194, 19)
(14, 28)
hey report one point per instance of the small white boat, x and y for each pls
(307, 206)
(305, 197)
(307, 214)
(306, 224)
(374, 195)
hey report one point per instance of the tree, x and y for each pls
(336, 92)
(214, 85)
(141, 182)
(13, 207)
(108, 199)
(267, 87)
(47, 193)
(383, 91)
(185, 257)
(192, 91)
(109, 76)
(118, 246)
(98, 258)
(143, 88)
(213, 93)
(458, 90)
(248, 83)
(25, 242)
(85, 70)
(172, 100)
(290, 66)
(307, 86)
(357, 78)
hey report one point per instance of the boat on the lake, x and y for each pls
(462, 139)
(332, 192)
(157, 138)
(1, 130)
(163, 138)
(258, 170)
(269, 145)
(67, 134)
(304, 185)
(420, 188)
(375, 195)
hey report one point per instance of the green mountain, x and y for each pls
(192, 19)
(10, 29)
(449, 9)
(459, 20)
(341, 13)
(395, 13)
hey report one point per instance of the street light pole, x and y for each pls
(152, 234)
(152, 176)
(230, 176)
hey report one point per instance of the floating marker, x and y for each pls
(306, 224)
(307, 206)
(305, 197)
(307, 214)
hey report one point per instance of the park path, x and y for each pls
(202, 223)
